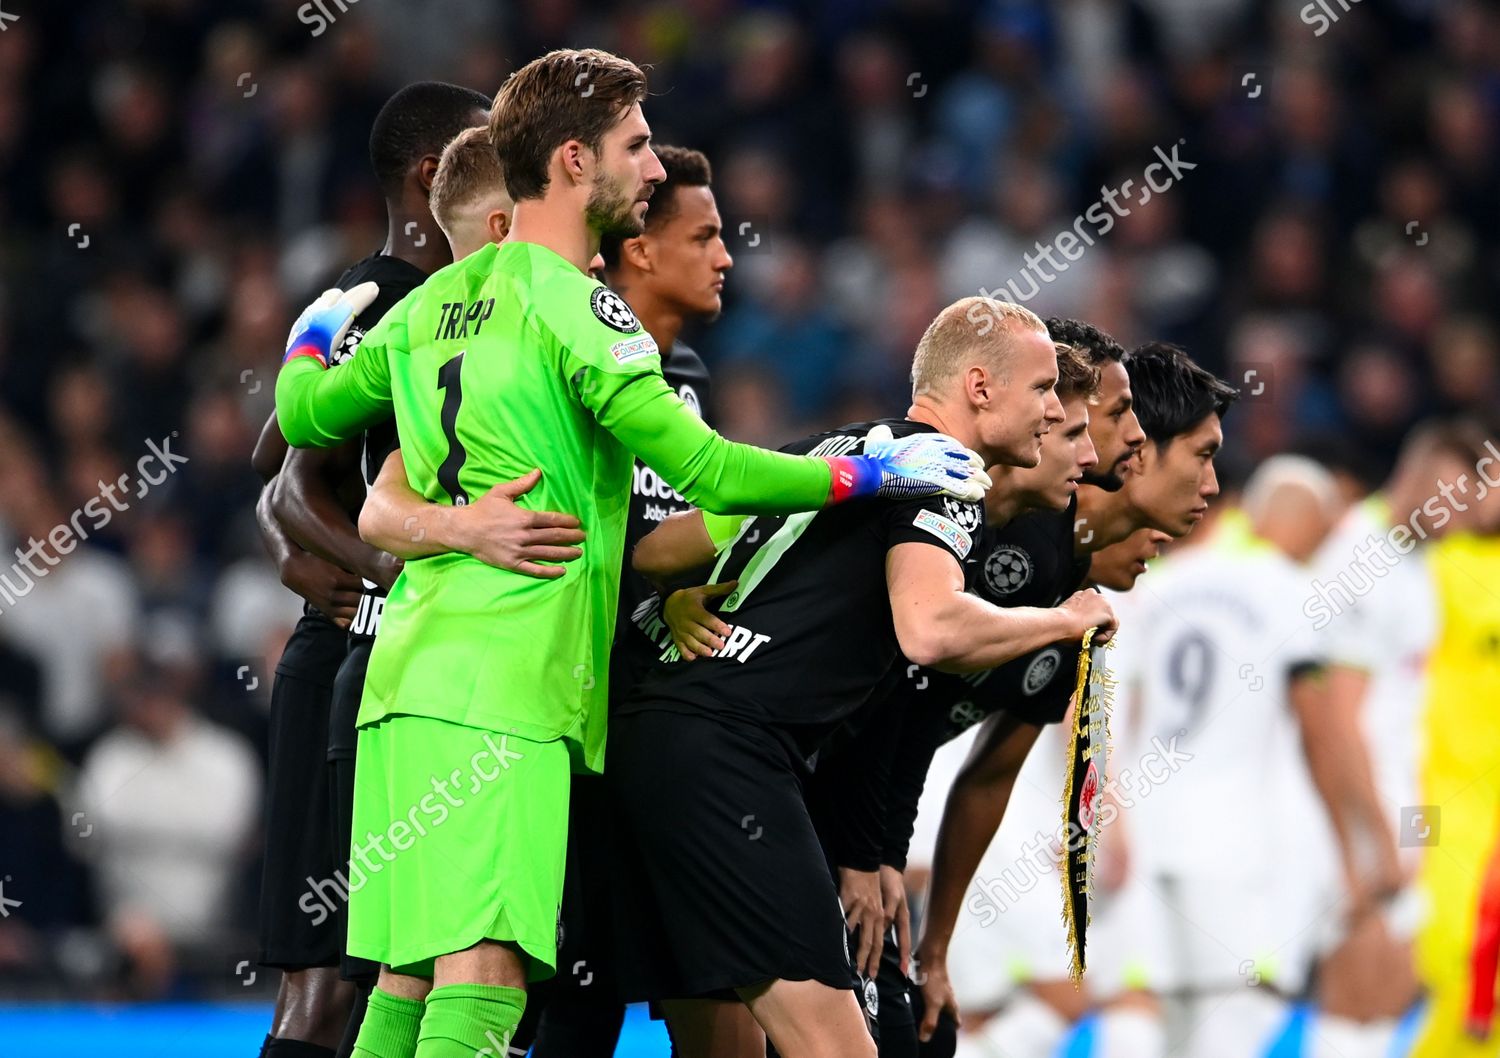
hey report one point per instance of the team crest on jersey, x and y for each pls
(967, 515)
(1007, 570)
(1041, 670)
(689, 397)
(612, 311)
(965, 715)
(872, 998)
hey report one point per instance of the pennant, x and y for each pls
(1088, 755)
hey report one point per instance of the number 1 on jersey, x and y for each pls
(453, 395)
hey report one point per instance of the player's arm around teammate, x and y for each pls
(494, 529)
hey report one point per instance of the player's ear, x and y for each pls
(497, 225)
(427, 172)
(575, 157)
(637, 252)
(979, 385)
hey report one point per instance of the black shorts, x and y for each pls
(585, 954)
(348, 688)
(299, 824)
(720, 882)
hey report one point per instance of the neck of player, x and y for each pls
(662, 319)
(1005, 500)
(557, 223)
(414, 237)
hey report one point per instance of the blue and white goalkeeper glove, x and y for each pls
(322, 326)
(924, 464)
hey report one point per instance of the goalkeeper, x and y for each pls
(486, 687)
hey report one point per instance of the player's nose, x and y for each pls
(1210, 487)
(653, 173)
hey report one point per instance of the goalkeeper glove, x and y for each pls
(910, 467)
(323, 324)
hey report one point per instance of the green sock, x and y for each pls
(463, 1021)
(390, 1027)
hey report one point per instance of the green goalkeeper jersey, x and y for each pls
(507, 360)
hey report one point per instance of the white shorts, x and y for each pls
(1168, 934)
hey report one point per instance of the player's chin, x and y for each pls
(1108, 482)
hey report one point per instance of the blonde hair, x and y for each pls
(969, 326)
(469, 168)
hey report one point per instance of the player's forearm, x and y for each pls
(1363, 811)
(963, 633)
(713, 473)
(908, 777)
(396, 518)
(278, 544)
(306, 508)
(1335, 752)
(270, 451)
(318, 408)
(677, 545)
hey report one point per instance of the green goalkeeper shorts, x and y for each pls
(460, 835)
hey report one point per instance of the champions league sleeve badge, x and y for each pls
(1088, 755)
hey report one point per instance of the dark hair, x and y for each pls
(685, 168)
(418, 122)
(1100, 348)
(1173, 394)
(1076, 376)
(567, 94)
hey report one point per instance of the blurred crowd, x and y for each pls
(177, 177)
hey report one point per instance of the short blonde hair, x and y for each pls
(468, 169)
(970, 325)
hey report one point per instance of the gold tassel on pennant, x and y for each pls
(1088, 754)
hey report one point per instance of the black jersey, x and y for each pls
(639, 634)
(396, 279)
(1028, 562)
(812, 633)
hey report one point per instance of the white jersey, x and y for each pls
(1218, 632)
(1384, 621)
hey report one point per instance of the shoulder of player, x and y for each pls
(849, 438)
(391, 272)
(683, 364)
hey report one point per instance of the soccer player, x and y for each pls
(1164, 486)
(1374, 598)
(724, 885)
(672, 272)
(1459, 761)
(863, 795)
(1114, 427)
(312, 532)
(1225, 670)
(485, 689)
